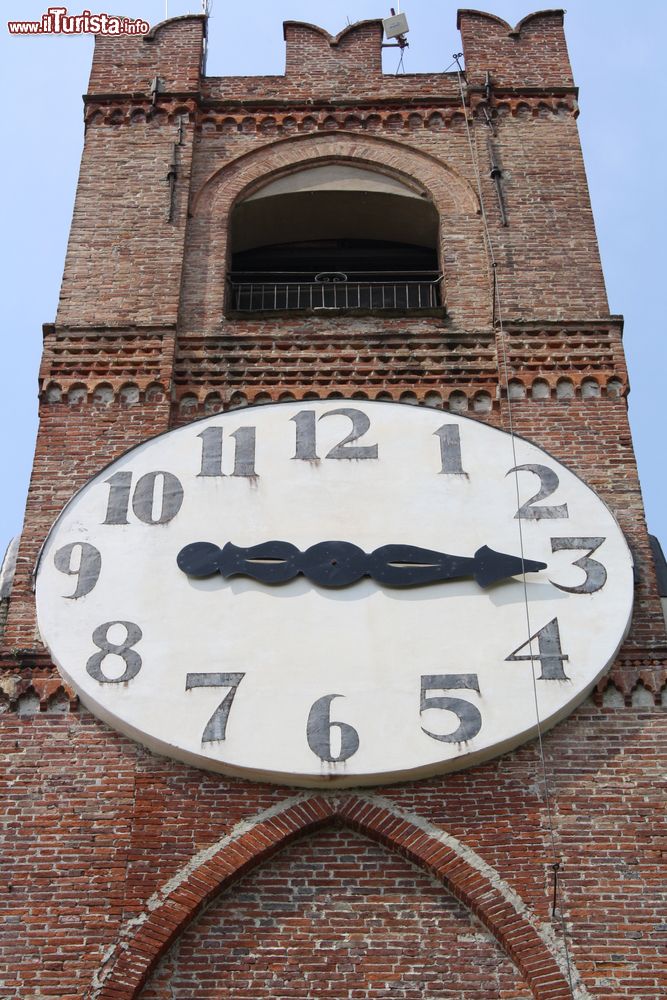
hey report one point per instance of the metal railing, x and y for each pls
(334, 291)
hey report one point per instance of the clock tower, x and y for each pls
(334, 653)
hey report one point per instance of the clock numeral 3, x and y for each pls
(596, 574)
(124, 649)
(306, 436)
(149, 505)
(319, 732)
(216, 727)
(87, 572)
(470, 720)
(244, 452)
(549, 652)
(549, 483)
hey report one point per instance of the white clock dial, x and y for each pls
(398, 649)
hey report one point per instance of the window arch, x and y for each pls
(334, 236)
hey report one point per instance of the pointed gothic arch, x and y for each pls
(145, 939)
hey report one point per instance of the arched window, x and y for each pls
(334, 237)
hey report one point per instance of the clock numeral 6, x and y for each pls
(322, 741)
(124, 650)
(470, 720)
(150, 505)
(87, 572)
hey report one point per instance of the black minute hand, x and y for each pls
(338, 564)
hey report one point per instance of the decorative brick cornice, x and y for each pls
(25, 669)
(280, 116)
(32, 689)
(131, 362)
(409, 359)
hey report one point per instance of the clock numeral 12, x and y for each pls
(145, 503)
(306, 436)
(244, 452)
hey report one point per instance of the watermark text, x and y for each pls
(56, 21)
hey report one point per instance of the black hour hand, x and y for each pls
(268, 562)
(412, 566)
(338, 564)
(492, 567)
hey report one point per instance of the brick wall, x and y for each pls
(335, 915)
(124, 867)
(100, 831)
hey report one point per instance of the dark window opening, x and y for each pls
(335, 274)
(334, 238)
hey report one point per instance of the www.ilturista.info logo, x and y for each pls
(56, 21)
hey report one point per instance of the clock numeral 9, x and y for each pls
(87, 572)
(244, 452)
(306, 437)
(124, 650)
(149, 505)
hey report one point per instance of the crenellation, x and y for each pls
(532, 54)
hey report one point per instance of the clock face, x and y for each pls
(332, 592)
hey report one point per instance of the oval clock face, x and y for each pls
(332, 592)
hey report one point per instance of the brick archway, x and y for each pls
(145, 939)
(445, 184)
(464, 260)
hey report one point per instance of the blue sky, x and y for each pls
(617, 51)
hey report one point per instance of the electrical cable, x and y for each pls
(504, 377)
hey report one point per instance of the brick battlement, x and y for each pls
(344, 67)
(532, 54)
(172, 51)
(313, 53)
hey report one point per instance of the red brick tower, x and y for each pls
(332, 233)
